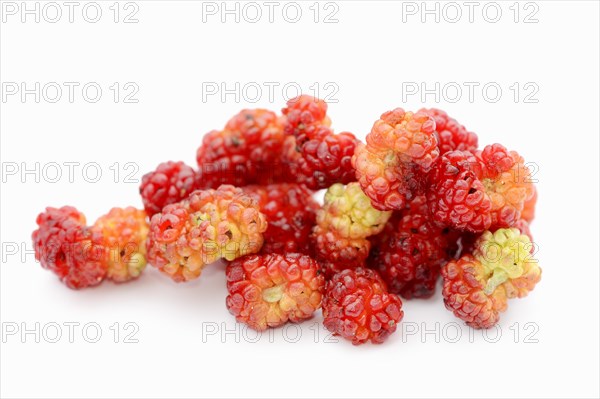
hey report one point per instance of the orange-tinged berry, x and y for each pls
(124, 231)
(269, 290)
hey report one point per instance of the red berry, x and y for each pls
(457, 197)
(358, 307)
(169, 183)
(507, 183)
(451, 135)
(477, 286)
(474, 193)
(303, 115)
(322, 160)
(401, 148)
(464, 296)
(270, 290)
(290, 211)
(410, 251)
(247, 151)
(64, 245)
(336, 253)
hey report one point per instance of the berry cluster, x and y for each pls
(419, 200)
(83, 256)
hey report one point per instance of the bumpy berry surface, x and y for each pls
(269, 290)
(388, 182)
(410, 135)
(348, 211)
(303, 115)
(247, 151)
(508, 261)
(409, 252)
(124, 231)
(476, 287)
(322, 160)
(336, 253)
(208, 225)
(401, 148)
(456, 195)
(463, 287)
(290, 211)
(344, 222)
(506, 179)
(64, 245)
(169, 183)
(451, 135)
(358, 307)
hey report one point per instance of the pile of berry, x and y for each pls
(417, 201)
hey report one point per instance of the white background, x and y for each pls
(372, 55)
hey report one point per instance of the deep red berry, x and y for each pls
(409, 252)
(322, 160)
(303, 115)
(487, 190)
(64, 245)
(358, 307)
(450, 134)
(247, 151)
(457, 197)
(169, 183)
(269, 290)
(290, 211)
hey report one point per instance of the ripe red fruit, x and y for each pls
(507, 182)
(451, 135)
(64, 245)
(487, 190)
(411, 249)
(358, 307)
(270, 290)
(476, 287)
(464, 296)
(401, 148)
(321, 160)
(303, 115)
(290, 211)
(247, 151)
(169, 183)
(457, 197)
